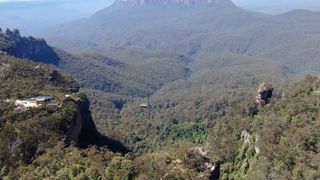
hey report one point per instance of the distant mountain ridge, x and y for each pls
(191, 30)
(185, 2)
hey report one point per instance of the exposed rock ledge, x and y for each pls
(83, 131)
(25, 46)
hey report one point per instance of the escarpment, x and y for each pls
(83, 131)
(32, 48)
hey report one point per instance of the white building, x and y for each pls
(20, 104)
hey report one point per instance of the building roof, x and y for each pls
(40, 98)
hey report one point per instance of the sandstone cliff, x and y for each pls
(36, 49)
(264, 93)
(83, 131)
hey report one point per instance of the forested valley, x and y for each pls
(235, 95)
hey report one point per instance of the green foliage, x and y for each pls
(250, 152)
(4, 171)
(284, 132)
(206, 29)
(75, 170)
(6, 45)
(26, 133)
(63, 174)
(121, 169)
(190, 132)
(21, 79)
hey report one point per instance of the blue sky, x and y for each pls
(241, 3)
(270, 2)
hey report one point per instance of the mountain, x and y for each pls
(192, 28)
(117, 80)
(185, 109)
(158, 23)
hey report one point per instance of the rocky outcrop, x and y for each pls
(32, 48)
(25, 46)
(246, 136)
(197, 158)
(83, 131)
(185, 2)
(264, 93)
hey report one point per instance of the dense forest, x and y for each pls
(246, 140)
(227, 98)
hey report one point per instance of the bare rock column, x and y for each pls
(264, 93)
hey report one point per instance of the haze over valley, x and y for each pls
(160, 89)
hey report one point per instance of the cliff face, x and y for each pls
(83, 131)
(264, 93)
(26, 47)
(185, 2)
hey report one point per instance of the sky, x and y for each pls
(242, 3)
(262, 3)
(237, 2)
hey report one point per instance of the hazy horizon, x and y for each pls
(31, 15)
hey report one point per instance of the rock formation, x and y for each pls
(185, 2)
(27, 47)
(83, 131)
(197, 158)
(264, 93)
(247, 138)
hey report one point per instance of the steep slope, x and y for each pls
(27, 132)
(276, 141)
(24, 78)
(22, 132)
(184, 94)
(283, 38)
(139, 75)
(139, 78)
(181, 108)
(26, 47)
